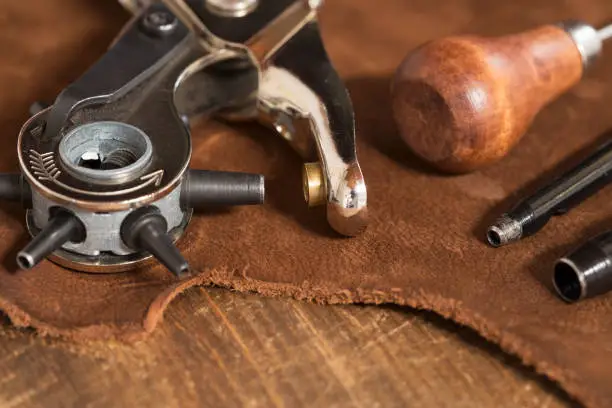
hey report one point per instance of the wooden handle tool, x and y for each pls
(463, 102)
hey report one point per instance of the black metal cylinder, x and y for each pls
(61, 228)
(202, 188)
(557, 197)
(587, 271)
(146, 229)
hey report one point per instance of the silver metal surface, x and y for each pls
(121, 151)
(206, 39)
(231, 8)
(145, 102)
(287, 102)
(504, 231)
(587, 40)
(103, 229)
(265, 44)
(605, 33)
(262, 46)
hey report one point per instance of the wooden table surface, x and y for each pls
(222, 349)
(217, 348)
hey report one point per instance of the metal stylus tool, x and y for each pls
(532, 213)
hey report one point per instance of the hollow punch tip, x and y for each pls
(504, 231)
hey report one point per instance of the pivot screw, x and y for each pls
(159, 23)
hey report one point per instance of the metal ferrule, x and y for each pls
(586, 38)
(102, 227)
(555, 198)
(504, 231)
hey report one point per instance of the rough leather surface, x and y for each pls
(424, 247)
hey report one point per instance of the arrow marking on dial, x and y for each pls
(44, 168)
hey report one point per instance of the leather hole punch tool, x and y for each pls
(298, 94)
(104, 170)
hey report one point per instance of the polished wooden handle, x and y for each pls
(463, 102)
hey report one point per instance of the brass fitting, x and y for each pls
(313, 184)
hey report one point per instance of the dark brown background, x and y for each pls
(424, 246)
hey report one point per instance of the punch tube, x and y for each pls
(145, 229)
(62, 227)
(586, 272)
(203, 188)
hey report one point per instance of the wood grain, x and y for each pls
(463, 102)
(218, 348)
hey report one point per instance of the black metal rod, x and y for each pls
(62, 227)
(202, 188)
(146, 229)
(587, 271)
(558, 197)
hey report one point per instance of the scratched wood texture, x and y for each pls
(222, 349)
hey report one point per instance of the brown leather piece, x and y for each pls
(424, 246)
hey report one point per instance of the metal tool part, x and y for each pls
(104, 169)
(558, 197)
(203, 188)
(587, 38)
(313, 184)
(146, 229)
(231, 8)
(586, 272)
(159, 22)
(62, 227)
(301, 97)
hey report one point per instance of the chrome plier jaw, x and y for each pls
(300, 95)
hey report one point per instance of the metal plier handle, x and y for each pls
(280, 76)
